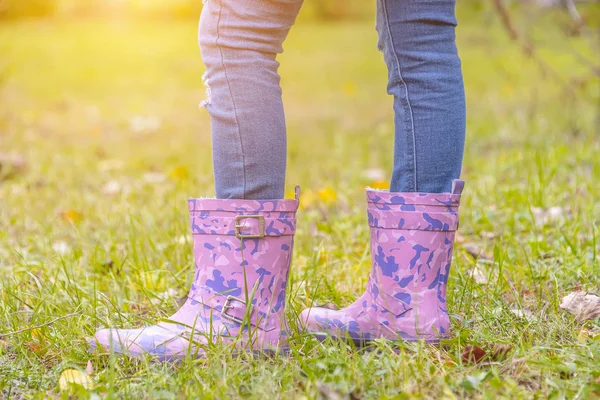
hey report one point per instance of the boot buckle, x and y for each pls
(261, 227)
(228, 306)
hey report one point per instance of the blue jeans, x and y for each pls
(240, 40)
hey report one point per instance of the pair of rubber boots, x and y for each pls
(242, 253)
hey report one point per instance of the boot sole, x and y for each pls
(267, 353)
(368, 343)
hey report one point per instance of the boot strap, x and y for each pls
(244, 226)
(236, 310)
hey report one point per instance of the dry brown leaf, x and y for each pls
(475, 251)
(500, 351)
(473, 354)
(36, 347)
(583, 305)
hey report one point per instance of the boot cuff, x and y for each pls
(243, 206)
(406, 200)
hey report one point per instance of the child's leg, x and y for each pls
(239, 41)
(418, 42)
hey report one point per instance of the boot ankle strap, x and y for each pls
(244, 226)
(234, 309)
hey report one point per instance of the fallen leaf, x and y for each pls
(380, 185)
(473, 354)
(500, 351)
(586, 334)
(74, 377)
(583, 305)
(478, 275)
(475, 251)
(37, 334)
(179, 173)
(89, 369)
(327, 195)
(71, 215)
(36, 347)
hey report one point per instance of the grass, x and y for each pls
(95, 229)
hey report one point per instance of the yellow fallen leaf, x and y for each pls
(380, 185)
(327, 195)
(350, 89)
(74, 377)
(179, 173)
(71, 215)
(585, 335)
(37, 334)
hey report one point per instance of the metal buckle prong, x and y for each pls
(227, 306)
(261, 227)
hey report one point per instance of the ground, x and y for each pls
(103, 142)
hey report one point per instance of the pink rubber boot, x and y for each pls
(242, 251)
(412, 236)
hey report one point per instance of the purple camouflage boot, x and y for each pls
(242, 252)
(412, 236)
